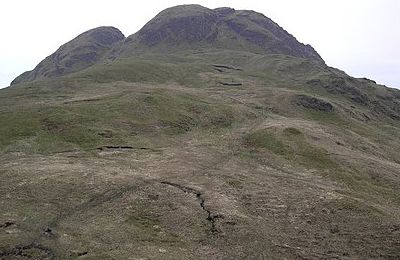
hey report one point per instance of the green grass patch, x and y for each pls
(17, 125)
(112, 120)
(292, 145)
(290, 131)
(354, 206)
(264, 138)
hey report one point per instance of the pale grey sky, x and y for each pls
(361, 37)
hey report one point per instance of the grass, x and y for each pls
(127, 119)
(353, 206)
(292, 145)
(265, 139)
(201, 132)
(17, 125)
(148, 69)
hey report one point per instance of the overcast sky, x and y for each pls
(361, 37)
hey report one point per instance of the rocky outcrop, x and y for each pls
(313, 103)
(342, 86)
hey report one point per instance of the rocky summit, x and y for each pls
(207, 134)
(194, 26)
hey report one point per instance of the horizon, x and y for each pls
(356, 44)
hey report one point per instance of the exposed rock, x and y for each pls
(230, 83)
(186, 24)
(78, 253)
(314, 103)
(193, 26)
(337, 85)
(7, 224)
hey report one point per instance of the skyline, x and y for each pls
(342, 33)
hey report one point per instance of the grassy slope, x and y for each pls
(277, 179)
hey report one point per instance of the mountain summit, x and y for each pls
(179, 28)
(194, 26)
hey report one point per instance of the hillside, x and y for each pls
(230, 143)
(80, 53)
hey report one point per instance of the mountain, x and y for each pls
(84, 51)
(174, 29)
(194, 26)
(208, 134)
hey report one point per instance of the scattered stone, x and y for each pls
(7, 224)
(76, 253)
(48, 231)
(82, 253)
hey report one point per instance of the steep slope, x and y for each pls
(193, 26)
(85, 50)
